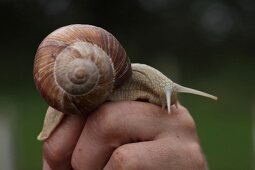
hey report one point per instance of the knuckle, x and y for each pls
(105, 119)
(186, 120)
(196, 155)
(52, 152)
(190, 123)
(122, 159)
(182, 109)
(75, 161)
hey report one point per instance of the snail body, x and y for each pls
(78, 67)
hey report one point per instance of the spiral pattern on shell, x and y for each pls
(76, 68)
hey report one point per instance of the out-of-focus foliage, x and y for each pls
(208, 45)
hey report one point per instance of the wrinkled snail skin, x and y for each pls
(78, 67)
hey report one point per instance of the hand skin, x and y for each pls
(125, 136)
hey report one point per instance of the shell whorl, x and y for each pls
(76, 68)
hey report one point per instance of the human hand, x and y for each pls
(125, 136)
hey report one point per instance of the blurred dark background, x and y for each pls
(207, 45)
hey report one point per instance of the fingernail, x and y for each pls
(46, 165)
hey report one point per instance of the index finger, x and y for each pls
(58, 149)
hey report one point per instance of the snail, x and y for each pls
(78, 67)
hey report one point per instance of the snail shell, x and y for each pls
(77, 67)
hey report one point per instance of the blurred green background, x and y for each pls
(207, 45)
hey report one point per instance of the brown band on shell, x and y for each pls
(65, 38)
(101, 38)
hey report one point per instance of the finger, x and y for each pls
(57, 150)
(115, 124)
(163, 154)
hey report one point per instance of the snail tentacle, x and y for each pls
(78, 67)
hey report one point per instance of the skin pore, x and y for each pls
(125, 135)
